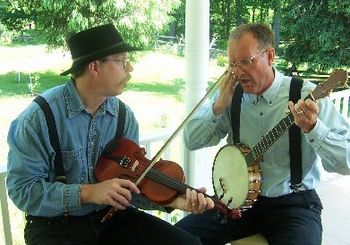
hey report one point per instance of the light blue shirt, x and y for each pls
(326, 145)
(31, 176)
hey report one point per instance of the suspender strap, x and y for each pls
(236, 113)
(295, 139)
(54, 140)
(120, 129)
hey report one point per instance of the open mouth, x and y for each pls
(244, 81)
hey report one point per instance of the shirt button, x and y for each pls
(312, 140)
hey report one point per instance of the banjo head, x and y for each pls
(230, 176)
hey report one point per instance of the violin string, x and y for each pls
(161, 178)
(170, 182)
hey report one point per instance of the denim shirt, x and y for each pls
(327, 144)
(31, 174)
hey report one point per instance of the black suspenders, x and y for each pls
(295, 139)
(54, 139)
(294, 131)
(236, 113)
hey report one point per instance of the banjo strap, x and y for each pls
(294, 131)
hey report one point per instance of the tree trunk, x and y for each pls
(228, 17)
(277, 22)
(239, 20)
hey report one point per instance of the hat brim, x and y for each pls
(115, 50)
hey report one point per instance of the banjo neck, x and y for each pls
(267, 140)
(338, 78)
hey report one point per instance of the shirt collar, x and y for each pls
(74, 105)
(271, 93)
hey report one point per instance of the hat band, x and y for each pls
(97, 52)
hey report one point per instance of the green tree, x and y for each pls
(13, 17)
(317, 33)
(138, 21)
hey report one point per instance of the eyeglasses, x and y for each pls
(123, 61)
(246, 62)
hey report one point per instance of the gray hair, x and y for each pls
(261, 32)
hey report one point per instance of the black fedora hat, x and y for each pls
(95, 43)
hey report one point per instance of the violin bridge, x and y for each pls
(134, 166)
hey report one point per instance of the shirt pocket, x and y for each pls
(74, 166)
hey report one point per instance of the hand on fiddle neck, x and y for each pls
(114, 192)
(192, 201)
(227, 88)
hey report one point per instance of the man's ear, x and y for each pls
(271, 56)
(93, 67)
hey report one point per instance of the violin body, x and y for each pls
(163, 182)
(128, 161)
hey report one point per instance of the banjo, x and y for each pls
(236, 175)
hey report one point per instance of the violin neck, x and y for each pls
(174, 184)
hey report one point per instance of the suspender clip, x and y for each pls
(296, 187)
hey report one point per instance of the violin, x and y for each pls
(162, 183)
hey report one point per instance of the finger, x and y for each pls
(129, 185)
(121, 200)
(121, 191)
(113, 202)
(312, 105)
(202, 190)
(202, 202)
(292, 108)
(194, 199)
(308, 109)
(188, 198)
(117, 205)
(210, 203)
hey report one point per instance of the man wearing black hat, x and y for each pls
(55, 144)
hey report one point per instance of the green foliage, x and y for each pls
(319, 35)
(138, 21)
(14, 83)
(221, 60)
(13, 17)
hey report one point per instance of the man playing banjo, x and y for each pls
(287, 209)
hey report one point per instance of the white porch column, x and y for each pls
(197, 59)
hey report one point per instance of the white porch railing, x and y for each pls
(146, 141)
(341, 100)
